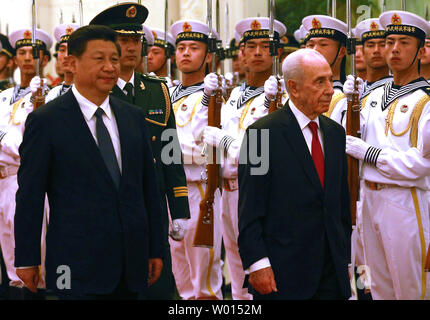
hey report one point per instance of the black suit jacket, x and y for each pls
(96, 230)
(286, 215)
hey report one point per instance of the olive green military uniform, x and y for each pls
(152, 95)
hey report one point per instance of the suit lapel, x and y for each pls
(77, 124)
(294, 135)
(141, 93)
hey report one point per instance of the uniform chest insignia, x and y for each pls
(373, 104)
(184, 107)
(404, 108)
(252, 111)
(142, 86)
(155, 111)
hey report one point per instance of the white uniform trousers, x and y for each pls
(198, 271)
(8, 187)
(396, 236)
(230, 232)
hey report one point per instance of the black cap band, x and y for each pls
(196, 36)
(405, 29)
(326, 33)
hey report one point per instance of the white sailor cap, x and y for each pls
(320, 26)
(258, 27)
(22, 38)
(159, 37)
(369, 29)
(402, 22)
(147, 33)
(237, 37)
(190, 30)
(62, 32)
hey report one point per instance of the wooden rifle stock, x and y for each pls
(204, 235)
(39, 97)
(277, 102)
(353, 129)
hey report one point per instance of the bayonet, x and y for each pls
(166, 43)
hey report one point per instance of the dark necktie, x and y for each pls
(129, 89)
(317, 153)
(106, 148)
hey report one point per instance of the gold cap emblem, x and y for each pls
(69, 30)
(154, 34)
(186, 27)
(27, 34)
(316, 24)
(396, 20)
(131, 12)
(255, 25)
(374, 26)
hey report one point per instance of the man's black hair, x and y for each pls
(77, 43)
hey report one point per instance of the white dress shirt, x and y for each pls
(303, 121)
(88, 110)
(121, 83)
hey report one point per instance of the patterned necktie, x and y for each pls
(129, 89)
(106, 148)
(317, 153)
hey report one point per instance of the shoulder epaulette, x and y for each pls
(154, 78)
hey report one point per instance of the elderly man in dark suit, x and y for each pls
(91, 154)
(294, 219)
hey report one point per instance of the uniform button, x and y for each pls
(155, 161)
(154, 138)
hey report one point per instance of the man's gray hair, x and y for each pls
(292, 67)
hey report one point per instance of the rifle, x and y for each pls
(353, 122)
(166, 43)
(205, 226)
(38, 97)
(276, 103)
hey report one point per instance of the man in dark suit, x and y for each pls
(294, 219)
(152, 96)
(91, 154)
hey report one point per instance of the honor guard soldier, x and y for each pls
(395, 153)
(14, 108)
(147, 42)
(6, 63)
(152, 95)
(360, 65)
(62, 33)
(21, 41)
(328, 36)
(197, 270)
(157, 61)
(300, 35)
(247, 104)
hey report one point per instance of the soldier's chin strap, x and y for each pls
(420, 45)
(199, 68)
(337, 54)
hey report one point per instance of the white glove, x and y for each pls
(358, 149)
(35, 84)
(213, 136)
(229, 78)
(271, 88)
(179, 227)
(348, 86)
(176, 82)
(211, 83)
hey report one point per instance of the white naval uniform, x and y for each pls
(396, 217)
(337, 107)
(234, 121)
(56, 92)
(197, 271)
(12, 121)
(357, 249)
